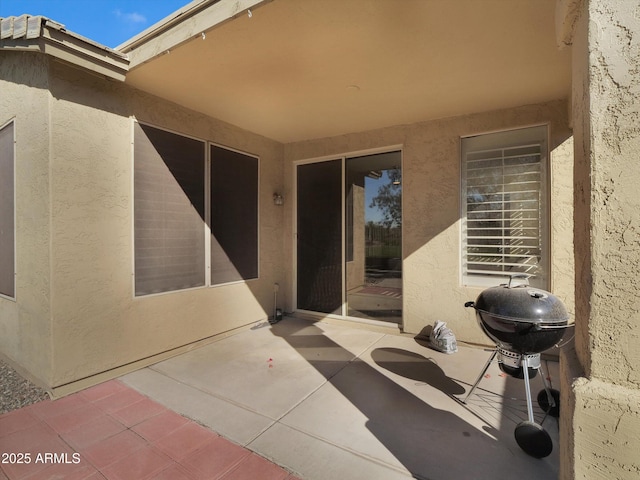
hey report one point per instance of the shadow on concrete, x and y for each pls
(429, 442)
(416, 367)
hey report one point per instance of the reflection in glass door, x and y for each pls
(373, 243)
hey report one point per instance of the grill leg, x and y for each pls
(527, 388)
(484, 370)
(531, 437)
(547, 389)
(549, 398)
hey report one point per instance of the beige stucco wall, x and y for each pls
(94, 322)
(431, 207)
(600, 416)
(25, 324)
(85, 319)
(563, 265)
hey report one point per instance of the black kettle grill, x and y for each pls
(523, 321)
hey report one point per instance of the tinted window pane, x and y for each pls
(234, 216)
(7, 239)
(169, 211)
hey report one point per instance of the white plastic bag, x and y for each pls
(442, 339)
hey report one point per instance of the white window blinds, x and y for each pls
(504, 206)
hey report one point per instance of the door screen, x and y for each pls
(319, 237)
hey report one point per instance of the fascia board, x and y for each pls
(181, 27)
(53, 40)
(89, 55)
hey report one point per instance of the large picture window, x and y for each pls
(172, 191)
(505, 207)
(7, 209)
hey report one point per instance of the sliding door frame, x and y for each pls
(343, 159)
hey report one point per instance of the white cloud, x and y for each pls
(133, 17)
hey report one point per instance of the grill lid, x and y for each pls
(522, 303)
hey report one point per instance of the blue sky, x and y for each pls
(109, 22)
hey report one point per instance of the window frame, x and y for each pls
(501, 141)
(208, 144)
(12, 122)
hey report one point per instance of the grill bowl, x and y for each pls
(521, 336)
(521, 319)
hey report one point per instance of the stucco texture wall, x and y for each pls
(600, 420)
(431, 207)
(98, 324)
(25, 323)
(91, 321)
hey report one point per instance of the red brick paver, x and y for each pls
(112, 432)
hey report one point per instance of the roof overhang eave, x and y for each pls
(189, 22)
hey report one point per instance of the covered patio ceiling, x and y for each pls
(302, 69)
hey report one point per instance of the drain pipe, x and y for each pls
(277, 313)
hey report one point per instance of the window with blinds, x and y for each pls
(504, 207)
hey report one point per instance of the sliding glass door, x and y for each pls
(349, 237)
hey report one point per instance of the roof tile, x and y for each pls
(24, 26)
(6, 27)
(20, 26)
(34, 27)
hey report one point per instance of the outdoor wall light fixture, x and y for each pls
(397, 180)
(278, 199)
(249, 13)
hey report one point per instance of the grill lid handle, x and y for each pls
(524, 276)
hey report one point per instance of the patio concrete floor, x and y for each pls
(328, 401)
